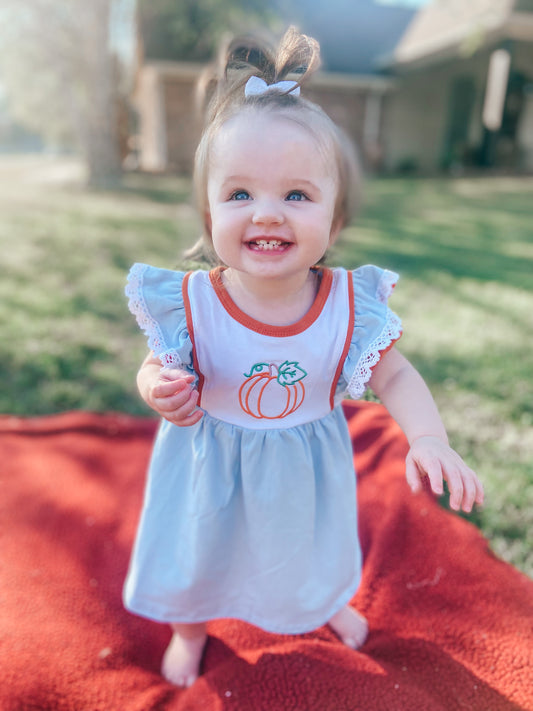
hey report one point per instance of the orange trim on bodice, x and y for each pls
(190, 329)
(347, 342)
(266, 329)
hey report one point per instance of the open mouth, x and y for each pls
(268, 245)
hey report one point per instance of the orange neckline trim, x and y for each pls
(265, 329)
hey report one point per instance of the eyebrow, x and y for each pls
(242, 179)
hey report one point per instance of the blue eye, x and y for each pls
(296, 195)
(240, 195)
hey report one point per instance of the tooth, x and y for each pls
(267, 243)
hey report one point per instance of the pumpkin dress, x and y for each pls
(251, 513)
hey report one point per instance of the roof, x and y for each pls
(354, 35)
(447, 28)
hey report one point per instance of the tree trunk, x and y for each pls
(102, 135)
(102, 131)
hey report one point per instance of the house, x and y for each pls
(464, 93)
(350, 87)
(447, 87)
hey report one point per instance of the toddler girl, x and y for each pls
(250, 508)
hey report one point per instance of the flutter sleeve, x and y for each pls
(155, 298)
(376, 327)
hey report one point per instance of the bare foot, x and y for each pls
(181, 661)
(350, 626)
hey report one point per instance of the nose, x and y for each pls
(267, 211)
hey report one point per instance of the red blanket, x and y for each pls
(451, 626)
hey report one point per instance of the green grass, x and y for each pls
(464, 249)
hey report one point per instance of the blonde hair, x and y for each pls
(221, 96)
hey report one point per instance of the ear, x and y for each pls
(336, 227)
(207, 221)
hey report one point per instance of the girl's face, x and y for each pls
(271, 196)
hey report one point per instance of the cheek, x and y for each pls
(223, 235)
(323, 218)
(221, 223)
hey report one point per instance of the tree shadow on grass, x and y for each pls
(419, 227)
(422, 256)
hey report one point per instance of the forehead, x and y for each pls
(268, 139)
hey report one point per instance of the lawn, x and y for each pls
(463, 247)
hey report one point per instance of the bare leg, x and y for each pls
(181, 662)
(350, 626)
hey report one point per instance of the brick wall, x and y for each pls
(170, 128)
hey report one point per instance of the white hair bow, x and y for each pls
(255, 86)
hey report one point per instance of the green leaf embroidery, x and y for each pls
(290, 373)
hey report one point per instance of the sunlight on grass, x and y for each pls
(464, 249)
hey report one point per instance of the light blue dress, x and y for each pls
(255, 521)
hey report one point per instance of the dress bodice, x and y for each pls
(260, 376)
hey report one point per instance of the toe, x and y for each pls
(356, 642)
(351, 627)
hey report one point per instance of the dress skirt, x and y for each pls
(259, 525)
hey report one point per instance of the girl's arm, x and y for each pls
(406, 396)
(169, 392)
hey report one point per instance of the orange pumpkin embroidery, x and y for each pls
(271, 391)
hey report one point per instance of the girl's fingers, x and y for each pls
(476, 495)
(165, 388)
(469, 490)
(181, 403)
(434, 473)
(412, 475)
(181, 409)
(480, 494)
(455, 486)
(175, 400)
(192, 419)
(438, 462)
(415, 472)
(173, 375)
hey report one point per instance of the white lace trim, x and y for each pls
(386, 285)
(363, 370)
(169, 357)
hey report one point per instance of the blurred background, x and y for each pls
(421, 86)
(97, 135)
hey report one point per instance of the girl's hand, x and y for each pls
(173, 397)
(432, 457)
